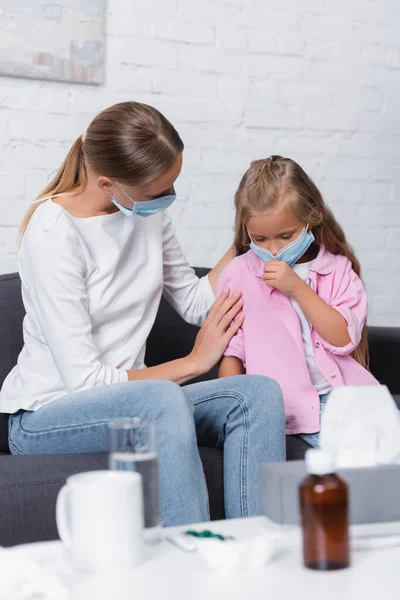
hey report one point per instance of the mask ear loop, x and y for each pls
(123, 191)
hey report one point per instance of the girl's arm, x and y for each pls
(339, 323)
(214, 274)
(327, 321)
(230, 365)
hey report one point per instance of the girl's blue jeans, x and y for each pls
(313, 438)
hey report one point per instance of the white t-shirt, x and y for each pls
(317, 379)
(91, 289)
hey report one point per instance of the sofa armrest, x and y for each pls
(384, 347)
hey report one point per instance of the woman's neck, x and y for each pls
(86, 202)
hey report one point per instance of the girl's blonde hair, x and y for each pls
(131, 143)
(277, 180)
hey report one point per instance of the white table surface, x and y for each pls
(173, 574)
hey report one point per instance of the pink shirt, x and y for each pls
(270, 341)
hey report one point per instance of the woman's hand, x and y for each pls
(211, 341)
(217, 331)
(281, 276)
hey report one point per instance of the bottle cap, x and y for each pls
(319, 462)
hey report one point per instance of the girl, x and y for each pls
(97, 252)
(304, 302)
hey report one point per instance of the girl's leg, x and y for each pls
(245, 415)
(78, 424)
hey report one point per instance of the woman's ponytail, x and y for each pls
(71, 175)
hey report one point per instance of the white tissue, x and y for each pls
(361, 427)
(233, 555)
(23, 579)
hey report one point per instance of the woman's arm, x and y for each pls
(179, 371)
(54, 274)
(211, 341)
(190, 296)
(230, 365)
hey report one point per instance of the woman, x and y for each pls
(93, 269)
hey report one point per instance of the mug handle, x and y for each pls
(63, 526)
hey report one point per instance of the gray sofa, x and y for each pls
(29, 484)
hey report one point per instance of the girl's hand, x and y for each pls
(217, 331)
(279, 275)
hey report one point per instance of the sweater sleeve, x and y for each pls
(53, 276)
(230, 278)
(190, 296)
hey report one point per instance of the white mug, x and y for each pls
(100, 519)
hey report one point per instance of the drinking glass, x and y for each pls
(133, 447)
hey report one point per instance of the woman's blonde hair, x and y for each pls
(131, 143)
(277, 180)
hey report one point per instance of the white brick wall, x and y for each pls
(317, 80)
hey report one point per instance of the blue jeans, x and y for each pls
(242, 414)
(313, 438)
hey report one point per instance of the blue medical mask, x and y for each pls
(147, 207)
(290, 253)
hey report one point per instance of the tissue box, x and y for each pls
(374, 492)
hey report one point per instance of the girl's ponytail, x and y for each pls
(71, 175)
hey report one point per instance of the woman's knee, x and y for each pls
(174, 417)
(261, 393)
(264, 386)
(256, 385)
(172, 407)
(268, 400)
